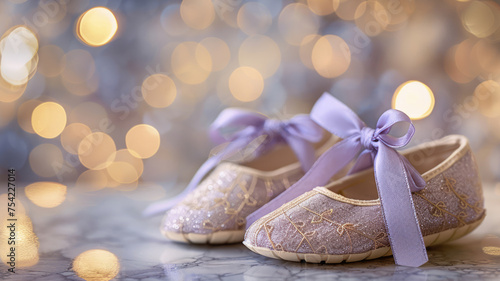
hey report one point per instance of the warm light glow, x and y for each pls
(296, 21)
(246, 84)
(191, 62)
(414, 98)
(159, 90)
(347, 9)
(96, 151)
(91, 114)
(46, 160)
(19, 57)
(254, 18)
(331, 56)
(48, 120)
(198, 14)
(306, 47)
(79, 67)
(96, 265)
(491, 250)
(323, 7)
(479, 19)
(92, 180)
(219, 52)
(143, 141)
(371, 17)
(52, 60)
(72, 135)
(9, 92)
(26, 242)
(126, 168)
(46, 194)
(97, 26)
(24, 113)
(488, 96)
(262, 53)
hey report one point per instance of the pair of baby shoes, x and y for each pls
(287, 188)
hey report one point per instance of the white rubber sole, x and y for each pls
(430, 240)
(219, 237)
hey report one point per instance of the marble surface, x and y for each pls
(111, 221)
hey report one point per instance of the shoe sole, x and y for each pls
(219, 237)
(430, 240)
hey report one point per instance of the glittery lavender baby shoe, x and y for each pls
(260, 158)
(388, 210)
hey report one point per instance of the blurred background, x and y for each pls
(115, 97)
(119, 94)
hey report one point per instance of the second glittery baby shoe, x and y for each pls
(270, 154)
(390, 209)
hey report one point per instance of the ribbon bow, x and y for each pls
(395, 177)
(240, 127)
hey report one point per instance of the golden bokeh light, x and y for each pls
(260, 52)
(52, 61)
(398, 20)
(46, 194)
(19, 53)
(488, 96)
(198, 14)
(451, 67)
(24, 113)
(323, 7)
(72, 135)
(347, 9)
(126, 168)
(143, 141)
(219, 52)
(27, 243)
(306, 47)
(414, 98)
(491, 250)
(246, 84)
(159, 90)
(191, 62)
(371, 17)
(79, 67)
(97, 26)
(296, 21)
(83, 88)
(96, 265)
(48, 120)
(46, 160)
(331, 56)
(92, 180)
(254, 18)
(91, 114)
(96, 151)
(479, 18)
(9, 92)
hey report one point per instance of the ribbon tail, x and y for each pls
(364, 161)
(303, 150)
(327, 165)
(405, 236)
(162, 206)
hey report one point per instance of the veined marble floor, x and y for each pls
(111, 221)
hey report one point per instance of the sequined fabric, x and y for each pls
(323, 222)
(223, 200)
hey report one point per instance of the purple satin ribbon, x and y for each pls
(239, 128)
(395, 177)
